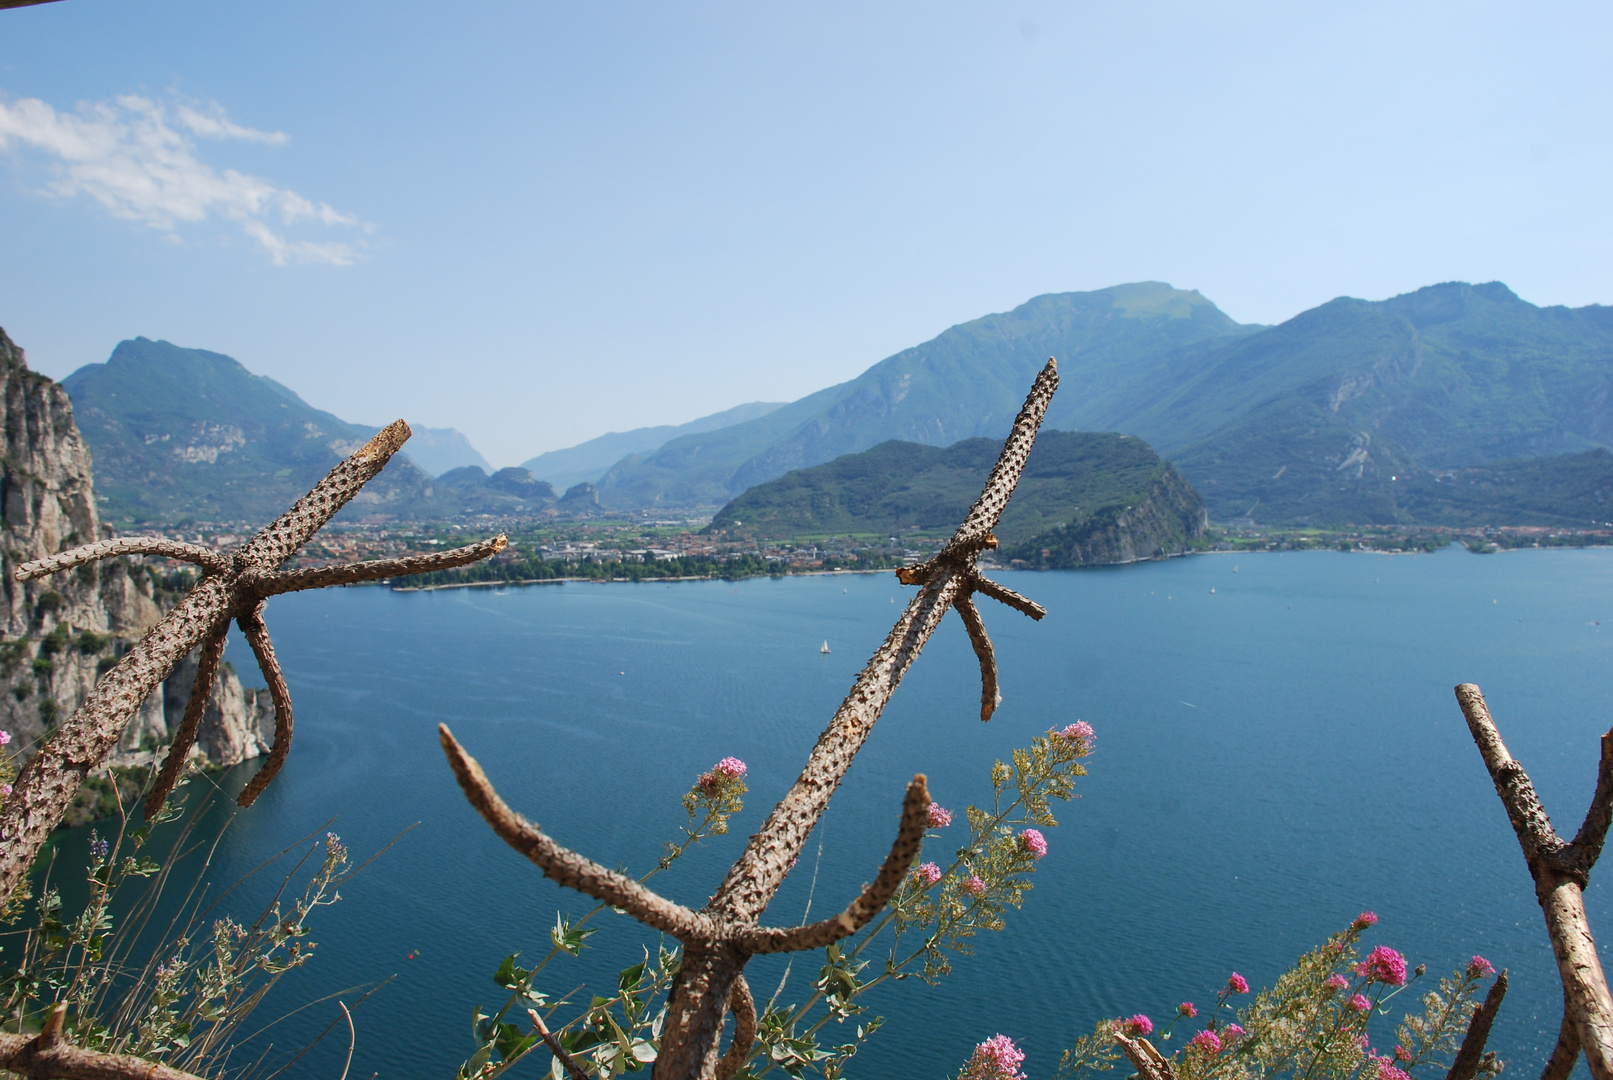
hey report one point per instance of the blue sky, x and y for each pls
(539, 222)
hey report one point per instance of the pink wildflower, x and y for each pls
(1234, 1031)
(1034, 842)
(1336, 982)
(1358, 1003)
(1207, 1042)
(1363, 920)
(1383, 965)
(1479, 968)
(1186, 1009)
(1138, 1025)
(1401, 1053)
(5, 737)
(1237, 984)
(974, 885)
(1386, 1068)
(1082, 732)
(730, 767)
(5, 789)
(995, 1059)
(928, 873)
(940, 817)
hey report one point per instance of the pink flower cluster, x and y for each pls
(1237, 984)
(1082, 732)
(1363, 920)
(1336, 982)
(1235, 1031)
(724, 772)
(995, 1059)
(1479, 968)
(5, 737)
(1383, 965)
(1034, 842)
(5, 789)
(1358, 1003)
(1138, 1025)
(940, 816)
(1386, 1067)
(974, 885)
(1206, 1042)
(927, 873)
(1186, 1009)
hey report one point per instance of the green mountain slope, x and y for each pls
(1313, 421)
(182, 435)
(1084, 498)
(968, 382)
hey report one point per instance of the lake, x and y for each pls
(1278, 749)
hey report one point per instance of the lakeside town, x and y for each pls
(679, 548)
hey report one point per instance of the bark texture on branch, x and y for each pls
(1149, 1062)
(719, 939)
(1466, 1064)
(1560, 872)
(232, 587)
(57, 1060)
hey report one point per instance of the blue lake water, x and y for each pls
(1274, 756)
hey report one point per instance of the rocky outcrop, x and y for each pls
(1168, 521)
(58, 634)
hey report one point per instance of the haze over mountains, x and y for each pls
(1353, 412)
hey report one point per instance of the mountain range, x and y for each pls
(180, 435)
(1350, 412)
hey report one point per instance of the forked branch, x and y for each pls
(232, 587)
(565, 866)
(1560, 873)
(858, 914)
(719, 939)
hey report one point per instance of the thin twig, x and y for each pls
(352, 1040)
(555, 1048)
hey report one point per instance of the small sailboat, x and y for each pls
(825, 649)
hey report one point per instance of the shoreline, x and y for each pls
(621, 580)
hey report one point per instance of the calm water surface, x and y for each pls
(1278, 749)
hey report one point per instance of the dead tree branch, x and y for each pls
(1469, 1057)
(1566, 1052)
(233, 586)
(743, 1006)
(1149, 1062)
(54, 1059)
(1560, 872)
(719, 939)
(208, 559)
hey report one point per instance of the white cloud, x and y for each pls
(134, 157)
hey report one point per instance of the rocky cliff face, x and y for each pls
(1166, 522)
(57, 634)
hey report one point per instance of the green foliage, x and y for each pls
(933, 917)
(180, 1001)
(1314, 1023)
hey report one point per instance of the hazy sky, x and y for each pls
(538, 222)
